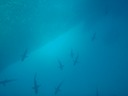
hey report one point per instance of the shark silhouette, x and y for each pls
(76, 60)
(24, 56)
(61, 66)
(58, 88)
(36, 86)
(4, 82)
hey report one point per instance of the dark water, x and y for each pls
(63, 48)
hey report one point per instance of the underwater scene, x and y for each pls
(63, 47)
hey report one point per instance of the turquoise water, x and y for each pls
(63, 48)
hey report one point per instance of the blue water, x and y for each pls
(72, 48)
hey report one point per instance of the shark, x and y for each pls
(75, 61)
(4, 82)
(36, 86)
(61, 66)
(57, 89)
(24, 56)
(74, 58)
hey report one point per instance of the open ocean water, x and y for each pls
(63, 47)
